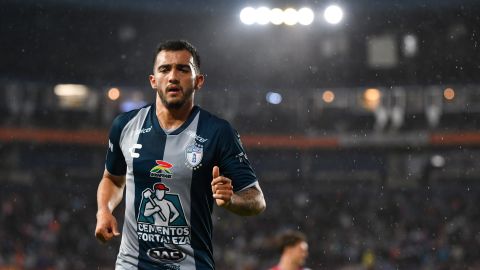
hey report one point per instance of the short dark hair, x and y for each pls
(290, 238)
(178, 45)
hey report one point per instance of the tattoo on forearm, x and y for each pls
(248, 202)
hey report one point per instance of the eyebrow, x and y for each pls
(178, 65)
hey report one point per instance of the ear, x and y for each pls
(153, 82)
(199, 80)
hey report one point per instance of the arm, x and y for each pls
(109, 195)
(247, 202)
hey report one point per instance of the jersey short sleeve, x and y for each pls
(234, 163)
(115, 161)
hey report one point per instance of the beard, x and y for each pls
(178, 103)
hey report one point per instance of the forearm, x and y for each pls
(109, 195)
(247, 202)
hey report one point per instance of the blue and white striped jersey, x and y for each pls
(168, 198)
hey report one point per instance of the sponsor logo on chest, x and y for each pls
(161, 170)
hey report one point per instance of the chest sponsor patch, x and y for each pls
(161, 170)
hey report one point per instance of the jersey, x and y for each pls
(168, 196)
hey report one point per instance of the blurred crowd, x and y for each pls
(48, 223)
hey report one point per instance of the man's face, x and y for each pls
(175, 78)
(299, 253)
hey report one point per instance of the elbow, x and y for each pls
(262, 206)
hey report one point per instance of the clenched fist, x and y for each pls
(222, 188)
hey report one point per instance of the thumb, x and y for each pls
(115, 230)
(216, 172)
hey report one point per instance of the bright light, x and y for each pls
(290, 16)
(449, 94)
(68, 90)
(328, 96)
(276, 16)
(333, 14)
(410, 45)
(113, 93)
(305, 16)
(248, 15)
(371, 98)
(437, 161)
(262, 15)
(274, 98)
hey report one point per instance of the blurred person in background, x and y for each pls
(294, 251)
(197, 158)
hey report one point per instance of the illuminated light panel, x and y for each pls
(333, 14)
(68, 90)
(305, 16)
(328, 96)
(113, 93)
(449, 93)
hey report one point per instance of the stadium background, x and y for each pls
(378, 179)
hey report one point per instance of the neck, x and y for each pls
(172, 118)
(287, 264)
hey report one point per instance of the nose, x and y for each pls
(173, 76)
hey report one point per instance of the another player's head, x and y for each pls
(294, 246)
(176, 73)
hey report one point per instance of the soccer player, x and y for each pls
(294, 251)
(175, 160)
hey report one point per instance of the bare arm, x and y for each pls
(109, 195)
(247, 202)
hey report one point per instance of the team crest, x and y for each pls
(194, 154)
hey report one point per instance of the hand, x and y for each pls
(106, 226)
(222, 188)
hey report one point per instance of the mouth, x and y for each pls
(174, 89)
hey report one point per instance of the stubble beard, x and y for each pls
(177, 104)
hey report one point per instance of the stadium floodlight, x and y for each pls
(333, 14)
(290, 16)
(274, 98)
(262, 15)
(248, 15)
(305, 16)
(276, 16)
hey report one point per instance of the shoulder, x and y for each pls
(212, 118)
(122, 119)
(214, 122)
